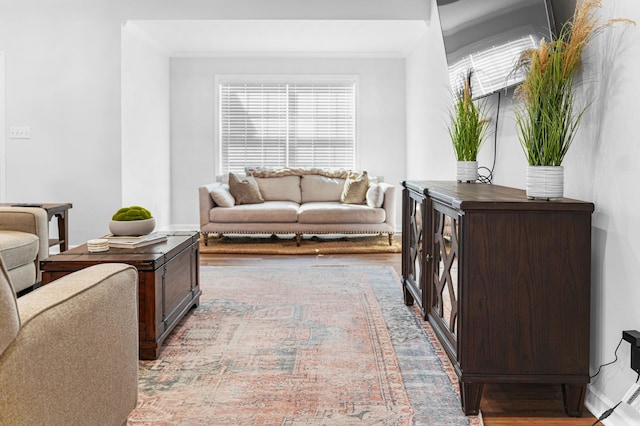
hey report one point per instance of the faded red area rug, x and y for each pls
(308, 346)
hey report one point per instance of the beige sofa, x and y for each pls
(297, 201)
(24, 242)
(69, 350)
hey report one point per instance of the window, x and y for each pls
(275, 124)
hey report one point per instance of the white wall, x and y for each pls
(381, 116)
(62, 63)
(429, 152)
(146, 163)
(601, 167)
(63, 80)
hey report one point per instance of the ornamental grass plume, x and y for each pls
(468, 126)
(546, 122)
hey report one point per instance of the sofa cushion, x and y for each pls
(285, 188)
(18, 248)
(244, 191)
(267, 212)
(375, 195)
(221, 195)
(320, 188)
(335, 212)
(355, 188)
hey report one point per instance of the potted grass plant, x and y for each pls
(547, 120)
(467, 129)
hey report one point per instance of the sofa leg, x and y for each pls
(390, 239)
(298, 239)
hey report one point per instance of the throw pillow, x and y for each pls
(321, 188)
(245, 191)
(221, 195)
(285, 188)
(355, 188)
(375, 195)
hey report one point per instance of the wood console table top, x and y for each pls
(479, 196)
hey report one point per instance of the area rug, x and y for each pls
(309, 245)
(306, 346)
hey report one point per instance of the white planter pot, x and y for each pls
(467, 171)
(545, 182)
(132, 227)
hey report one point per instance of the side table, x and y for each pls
(58, 210)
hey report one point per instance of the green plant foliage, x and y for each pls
(131, 213)
(468, 127)
(547, 121)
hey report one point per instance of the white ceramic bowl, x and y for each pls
(132, 227)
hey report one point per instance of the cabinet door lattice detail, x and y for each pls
(416, 238)
(413, 255)
(444, 297)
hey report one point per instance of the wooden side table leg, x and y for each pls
(470, 394)
(63, 231)
(573, 396)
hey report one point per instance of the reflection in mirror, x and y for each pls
(445, 270)
(488, 36)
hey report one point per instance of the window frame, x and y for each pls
(280, 79)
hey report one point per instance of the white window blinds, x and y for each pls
(287, 125)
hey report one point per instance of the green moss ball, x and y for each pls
(131, 213)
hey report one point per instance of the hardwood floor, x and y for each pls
(502, 405)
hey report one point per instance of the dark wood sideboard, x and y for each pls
(504, 281)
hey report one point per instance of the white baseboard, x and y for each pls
(623, 415)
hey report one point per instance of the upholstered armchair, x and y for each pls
(69, 350)
(24, 242)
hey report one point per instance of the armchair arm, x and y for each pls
(389, 203)
(206, 202)
(75, 358)
(32, 220)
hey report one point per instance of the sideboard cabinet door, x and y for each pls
(414, 216)
(508, 283)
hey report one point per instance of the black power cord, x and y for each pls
(608, 412)
(488, 178)
(615, 353)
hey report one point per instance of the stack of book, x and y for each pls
(127, 241)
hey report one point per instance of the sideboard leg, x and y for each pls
(408, 298)
(573, 396)
(470, 394)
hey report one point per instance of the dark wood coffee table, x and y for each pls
(168, 281)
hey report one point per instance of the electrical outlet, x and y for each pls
(19, 132)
